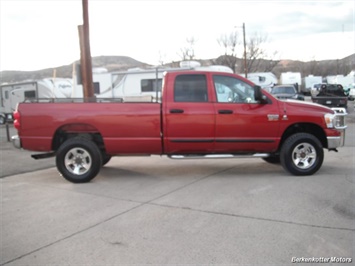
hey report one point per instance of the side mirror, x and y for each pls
(259, 96)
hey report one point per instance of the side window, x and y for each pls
(150, 85)
(232, 90)
(30, 94)
(190, 88)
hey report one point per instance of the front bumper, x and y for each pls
(16, 141)
(336, 142)
(340, 125)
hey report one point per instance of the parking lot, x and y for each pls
(153, 210)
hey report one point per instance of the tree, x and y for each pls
(258, 59)
(229, 43)
(188, 52)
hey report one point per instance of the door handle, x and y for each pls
(176, 111)
(225, 112)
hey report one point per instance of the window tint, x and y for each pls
(190, 88)
(149, 85)
(233, 90)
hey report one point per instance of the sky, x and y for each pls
(44, 34)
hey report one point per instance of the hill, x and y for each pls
(121, 63)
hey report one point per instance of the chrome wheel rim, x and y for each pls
(304, 155)
(78, 161)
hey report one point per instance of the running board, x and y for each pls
(219, 156)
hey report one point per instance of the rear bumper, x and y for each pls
(16, 141)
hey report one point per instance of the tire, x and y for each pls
(78, 160)
(302, 154)
(273, 159)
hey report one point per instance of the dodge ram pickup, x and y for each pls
(201, 114)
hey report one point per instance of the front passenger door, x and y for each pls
(242, 123)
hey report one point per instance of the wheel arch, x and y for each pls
(69, 131)
(309, 128)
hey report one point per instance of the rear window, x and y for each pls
(190, 88)
(331, 90)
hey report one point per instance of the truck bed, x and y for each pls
(331, 101)
(124, 127)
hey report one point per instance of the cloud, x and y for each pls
(33, 38)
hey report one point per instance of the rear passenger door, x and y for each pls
(189, 118)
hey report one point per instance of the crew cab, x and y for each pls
(201, 114)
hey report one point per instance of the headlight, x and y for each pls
(328, 118)
(336, 120)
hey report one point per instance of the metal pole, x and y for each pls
(245, 53)
(7, 132)
(156, 84)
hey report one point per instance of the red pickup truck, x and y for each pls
(201, 114)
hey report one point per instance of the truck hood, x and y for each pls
(306, 105)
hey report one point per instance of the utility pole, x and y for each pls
(245, 53)
(85, 56)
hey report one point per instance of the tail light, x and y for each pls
(17, 117)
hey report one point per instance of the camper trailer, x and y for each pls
(138, 84)
(293, 78)
(12, 94)
(309, 82)
(265, 80)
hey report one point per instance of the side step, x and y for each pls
(218, 156)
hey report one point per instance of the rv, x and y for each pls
(145, 84)
(293, 78)
(265, 80)
(12, 94)
(309, 82)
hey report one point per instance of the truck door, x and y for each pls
(243, 124)
(189, 120)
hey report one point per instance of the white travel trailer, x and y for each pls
(293, 78)
(146, 84)
(266, 80)
(12, 94)
(309, 81)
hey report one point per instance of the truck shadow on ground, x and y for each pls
(195, 170)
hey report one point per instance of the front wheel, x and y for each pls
(78, 160)
(302, 154)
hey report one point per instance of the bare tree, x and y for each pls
(161, 58)
(188, 52)
(229, 43)
(258, 58)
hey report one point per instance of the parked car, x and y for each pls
(284, 92)
(350, 92)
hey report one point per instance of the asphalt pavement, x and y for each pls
(153, 210)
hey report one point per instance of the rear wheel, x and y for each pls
(302, 154)
(78, 160)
